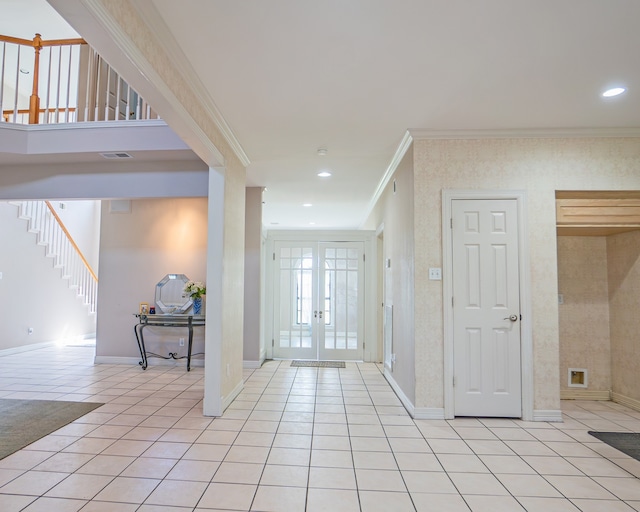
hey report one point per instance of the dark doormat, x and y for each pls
(626, 442)
(23, 422)
(318, 364)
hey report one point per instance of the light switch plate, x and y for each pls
(435, 274)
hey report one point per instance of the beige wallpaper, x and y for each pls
(624, 297)
(127, 17)
(395, 211)
(584, 315)
(539, 166)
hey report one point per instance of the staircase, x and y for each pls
(51, 233)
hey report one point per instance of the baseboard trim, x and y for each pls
(26, 348)
(584, 394)
(400, 394)
(227, 400)
(252, 365)
(429, 413)
(550, 415)
(152, 361)
(632, 403)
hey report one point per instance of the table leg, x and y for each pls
(190, 345)
(137, 329)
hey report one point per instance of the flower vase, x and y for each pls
(197, 305)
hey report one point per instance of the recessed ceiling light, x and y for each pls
(307, 205)
(322, 151)
(324, 174)
(615, 91)
(312, 223)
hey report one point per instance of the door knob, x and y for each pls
(513, 318)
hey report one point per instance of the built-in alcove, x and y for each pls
(598, 271)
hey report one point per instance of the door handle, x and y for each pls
(513, 318)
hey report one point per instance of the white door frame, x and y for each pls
(526, 356)
(370, 295)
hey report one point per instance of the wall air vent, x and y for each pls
(110, 156)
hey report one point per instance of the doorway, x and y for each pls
(318, 306)
(488, 349)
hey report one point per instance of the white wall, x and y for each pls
(82, 220)
(32, 293)
(137, 249)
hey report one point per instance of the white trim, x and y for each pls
(152, 361)
(85, 125)
(632, 403)
(26, 348)
(533, 133)
(551, 415)
(428, 413)
(584, 394)
(157, 25)
(526, 356)
(252, 365)
(401, 150)
(408, 405)
(227, 400)
(121, 39)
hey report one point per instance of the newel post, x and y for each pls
(34, 100)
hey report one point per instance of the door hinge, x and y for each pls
(454, 381)
(273, 342)
(452, 302)
(364, 257)
(274, 256)
(451, 222)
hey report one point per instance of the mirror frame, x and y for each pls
(172, 309)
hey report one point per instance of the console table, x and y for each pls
(166, 320)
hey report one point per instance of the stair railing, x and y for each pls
(52, 233)
(67, 81)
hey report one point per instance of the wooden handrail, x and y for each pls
(50, 42)
(73, 243)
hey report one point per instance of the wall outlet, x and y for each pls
(181, 342)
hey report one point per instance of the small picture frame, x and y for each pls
(144, 308)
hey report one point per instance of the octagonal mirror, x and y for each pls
(170, 295)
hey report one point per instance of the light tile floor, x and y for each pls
(296, 439)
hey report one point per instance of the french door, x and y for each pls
(318, 300)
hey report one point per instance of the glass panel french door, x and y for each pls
(318, 306)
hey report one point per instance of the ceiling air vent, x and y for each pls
(110, 156)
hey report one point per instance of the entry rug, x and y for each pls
(23, 422)
(318, 364)
(626, 442)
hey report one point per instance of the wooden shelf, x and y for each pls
(593, 213)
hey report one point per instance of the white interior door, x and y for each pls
(486, 308)
(318, 300)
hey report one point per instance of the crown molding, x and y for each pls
(526, 133)
(152, 18)
(121, 39)
(404, 145)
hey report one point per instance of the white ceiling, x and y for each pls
(290, 76)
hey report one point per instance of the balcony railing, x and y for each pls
(65, 81)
